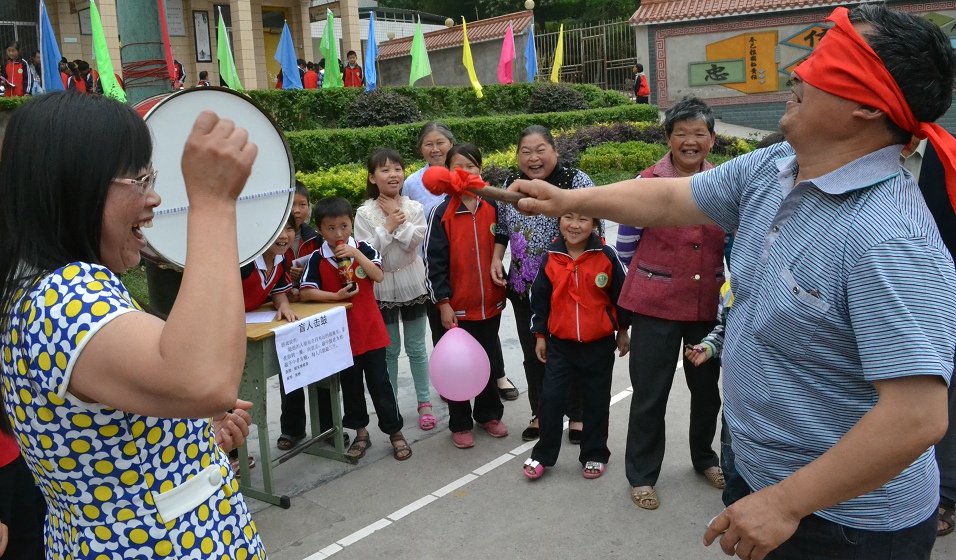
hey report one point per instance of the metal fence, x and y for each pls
(602, 55)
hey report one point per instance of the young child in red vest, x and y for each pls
(267, 277)
(344, 269)
(459, 247)
(574, 317)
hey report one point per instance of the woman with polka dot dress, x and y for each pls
(111, 405)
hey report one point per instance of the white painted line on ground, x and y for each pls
(620, 396)
(443, 491)
(364, 532)
(454, 485)
(414, 506)
(491, 465)
(520, 450)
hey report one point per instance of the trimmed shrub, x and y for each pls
(316, 149)
(550, 98)
(381, 108)
(626, 156)
(325, 108)
(11, 103)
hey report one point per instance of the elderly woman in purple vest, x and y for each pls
(672, 286)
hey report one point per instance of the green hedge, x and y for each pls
(11, 103)
(629, 156)
(607, 162)
(326, 108)
(318, 149)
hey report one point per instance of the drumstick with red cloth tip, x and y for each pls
(439, 181)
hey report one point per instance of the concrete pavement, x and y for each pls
(475, 503)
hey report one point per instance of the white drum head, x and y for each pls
(266, 200)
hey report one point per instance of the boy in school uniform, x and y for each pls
(352, 73)
(342, 256)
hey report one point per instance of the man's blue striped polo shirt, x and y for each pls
(838, 282)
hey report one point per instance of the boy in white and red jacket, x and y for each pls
(574, 317)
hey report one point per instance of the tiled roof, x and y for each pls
(481, 30)
(669, 11)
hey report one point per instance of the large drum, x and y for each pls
(265, 202)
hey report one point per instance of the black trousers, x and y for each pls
(372, 364)
(655, 346)
(488, 405)
(533, 368)
(292, 419)
(592, 363)
(22, 510)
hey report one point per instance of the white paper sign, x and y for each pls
(175, 22)
(313, 348)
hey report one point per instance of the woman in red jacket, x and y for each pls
(672, 287)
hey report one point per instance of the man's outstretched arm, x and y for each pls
(637, 202)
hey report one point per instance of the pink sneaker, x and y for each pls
(463, 440)
(495, 428)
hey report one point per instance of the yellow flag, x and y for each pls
(558, 56)
(469, 63)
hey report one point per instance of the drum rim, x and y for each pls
(285, 143)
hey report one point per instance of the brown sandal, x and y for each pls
(397, 451)
(645, 499)
(358, 447)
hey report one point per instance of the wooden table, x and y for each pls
(261, 364)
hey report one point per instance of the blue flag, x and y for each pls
(285, 56)
(49, 53)
(371, 53)
(531, 55)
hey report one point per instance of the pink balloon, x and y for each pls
(459, 366)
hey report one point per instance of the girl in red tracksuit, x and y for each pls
(459, 247)
(16, 76)
(574, 317)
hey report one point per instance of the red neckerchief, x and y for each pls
(844, 65)
(439, 181)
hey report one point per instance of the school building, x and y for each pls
(254, 28)
(738, 55)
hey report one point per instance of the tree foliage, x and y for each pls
(581, 11)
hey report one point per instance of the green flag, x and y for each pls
(227, 66)
(328, 48)
(101, 52)
(420, 65)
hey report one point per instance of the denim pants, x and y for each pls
(818, 539)
(735, 487)
(372, 364)
(416, 352)
(592, 363)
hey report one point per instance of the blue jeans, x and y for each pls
(817, 538)
(734, 486)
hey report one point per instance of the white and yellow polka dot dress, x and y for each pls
(118, 485)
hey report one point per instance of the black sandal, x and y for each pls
(508, 393)
(531, 433)
(400, 449)
(287, 442)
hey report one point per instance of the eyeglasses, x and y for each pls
(145, 183)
